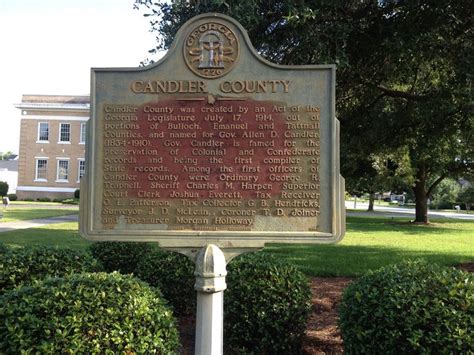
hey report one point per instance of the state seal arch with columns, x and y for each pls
(211, 50)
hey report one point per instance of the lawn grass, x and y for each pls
(12, 214)
(57, 235)
(371, 243)
(36, 203)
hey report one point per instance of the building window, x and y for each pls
(64, 132)
(81, 169)
(82, 139)
(41, 167)
(63, 170)
(43, 132)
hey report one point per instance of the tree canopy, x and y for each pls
(404, 81)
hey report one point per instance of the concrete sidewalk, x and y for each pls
(34, 223)
(393, 211)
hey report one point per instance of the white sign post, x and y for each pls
(210, 285)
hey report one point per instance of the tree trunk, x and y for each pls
(421, 197)
(371, 203)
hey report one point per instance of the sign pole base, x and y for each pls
(210, 285)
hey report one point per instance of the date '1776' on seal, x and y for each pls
(211, 50)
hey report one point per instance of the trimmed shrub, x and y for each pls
(3, 188)
(409, 308)
(43, 199)
(12, 197)
(3, 249)
(267, 304)
(77, 193)
(26, 265)
(87, 314)
(69, 201)
(120, 256)
(173, 274)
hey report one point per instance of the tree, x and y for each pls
(385, 171)
(6, 156)
(446, 194)
(466, 197)
(414, 91)
(404, 71)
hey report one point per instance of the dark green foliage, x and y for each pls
(266, 306)
(26, 265)
(120, 256)
(12, 197)
(173, 274)
(410, 308)
(446, 194)
(43, 199)
(3, 188)
(3, 249)
(466, 197)
(87, 314)
(77, 193)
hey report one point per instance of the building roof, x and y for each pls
(83, 99)
(51, 102)
(9, 165)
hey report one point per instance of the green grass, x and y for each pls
(37, 203)
(12, 214)
(371, 243)
(60, 235)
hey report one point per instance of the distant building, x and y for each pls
(9, 174)
(52, 145)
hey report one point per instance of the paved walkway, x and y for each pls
(34, 223)
(389, 211)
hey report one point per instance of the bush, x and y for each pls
(3, 249)
(77, 193)
(69, 201)
(266, 306)
(26, 265)
(120, 256)
(3, 188)
(173, 274)
(409, 308)
(87, 314)
(12, 197)
(43, 199)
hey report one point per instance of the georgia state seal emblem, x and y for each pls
(211, 50)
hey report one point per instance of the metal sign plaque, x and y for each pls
(213, 144)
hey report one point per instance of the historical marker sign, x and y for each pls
(213, 144)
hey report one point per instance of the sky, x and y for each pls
(49, 46)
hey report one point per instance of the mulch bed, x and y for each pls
(322, 335)
(466, 267)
